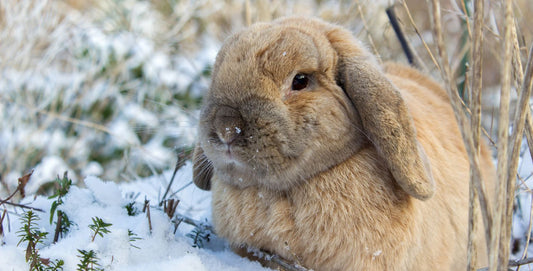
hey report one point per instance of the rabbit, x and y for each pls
(316, 152)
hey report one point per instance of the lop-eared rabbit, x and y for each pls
(317, 153)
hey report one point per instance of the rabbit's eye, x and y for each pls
(300, 81)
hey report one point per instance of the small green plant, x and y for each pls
(63, 223)
(199, 236)
(53, 265)
(132, 209)
(89, 261)
(63, 186)
(99, 227)
(132, 238)
(29, 233)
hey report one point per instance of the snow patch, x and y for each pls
(159, 248)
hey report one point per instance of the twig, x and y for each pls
(170, 206)
(181, 218)
(22, 206)
(273, 258)
(22, 181)
(419, 35)
(182, 156)
(412, 58)
(281, 262)
(365, 26)
(513, 263)
(9, 197)
(58, 227)
(2, 222)
(181, 189)
(146, 209)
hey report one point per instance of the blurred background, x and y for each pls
(111, 87)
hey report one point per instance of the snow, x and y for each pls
(47, 170)
(158, 248)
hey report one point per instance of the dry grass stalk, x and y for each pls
(146, 209)
(460, 114)
(501, 225)
(413, 24)
(170, 207)
(475, 108)
(183, 157)
(520, 119)
(521, 80)
(369, 36)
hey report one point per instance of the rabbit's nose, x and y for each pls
(229, 124)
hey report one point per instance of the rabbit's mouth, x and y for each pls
(243, 163)
(233, 169)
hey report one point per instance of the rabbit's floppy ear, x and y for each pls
(384, 115)
(202, 169)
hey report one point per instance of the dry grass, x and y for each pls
(497, 210)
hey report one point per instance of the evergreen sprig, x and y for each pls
(199, 236)
(89, 261)
(63, 186)
(132, 237)
(30, 233)
(99, 227)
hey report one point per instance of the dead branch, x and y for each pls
(22, 206)
(408, 50)
(2, 222)
(58, 227)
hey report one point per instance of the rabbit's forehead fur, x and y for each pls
(276, 53)
(284, 136)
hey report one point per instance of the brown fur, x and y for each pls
(364, 169)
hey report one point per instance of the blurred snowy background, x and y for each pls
(111, 88)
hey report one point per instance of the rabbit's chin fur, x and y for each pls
(316, 153)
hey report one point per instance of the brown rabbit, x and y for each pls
(316, 153)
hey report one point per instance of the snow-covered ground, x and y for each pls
(158, 249)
